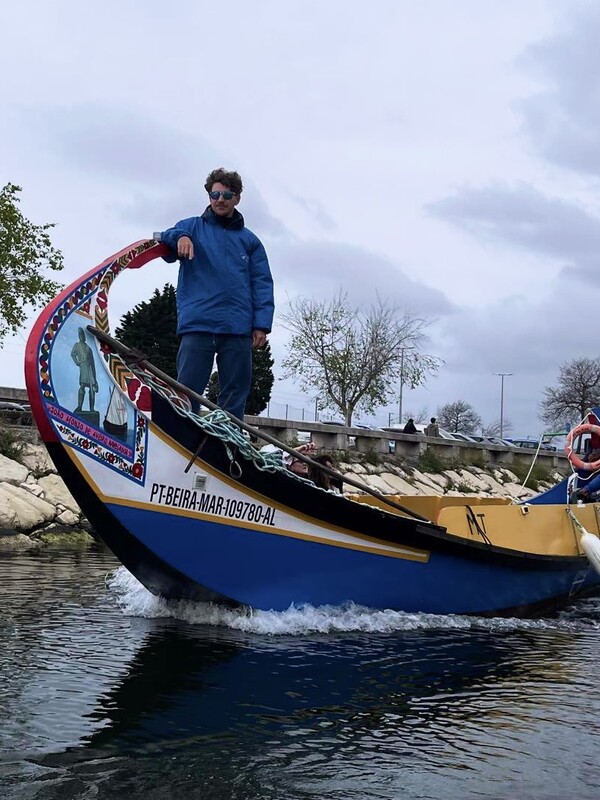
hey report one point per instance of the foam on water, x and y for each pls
(135, 600)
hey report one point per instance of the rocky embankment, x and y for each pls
(388, 477)
(37, 509)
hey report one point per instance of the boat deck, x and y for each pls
(537, 529)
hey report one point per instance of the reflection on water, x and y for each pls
(108, 692)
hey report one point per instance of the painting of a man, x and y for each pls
(83, 356)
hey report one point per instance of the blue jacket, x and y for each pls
(227, 286)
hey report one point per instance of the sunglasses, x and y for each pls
(224, 195)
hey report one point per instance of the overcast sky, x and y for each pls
(445, 155)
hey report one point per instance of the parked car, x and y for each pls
(12, 412)
(465, 437)
(498, 440)
(532, 444)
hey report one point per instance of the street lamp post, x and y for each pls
(402, 349)
(502, 375)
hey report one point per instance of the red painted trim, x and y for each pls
(33, 342)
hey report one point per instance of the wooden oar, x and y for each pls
(589, 542)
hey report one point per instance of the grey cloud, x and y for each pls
(563, 121)
(316, 211)
(319, 269)
(161, 171)
(528, 336)
(523, 217)
(119, 144)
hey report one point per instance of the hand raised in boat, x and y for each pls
(306, 449)
(185, 247)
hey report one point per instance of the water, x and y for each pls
(107, 692)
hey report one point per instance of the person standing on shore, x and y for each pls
(433, 429)
(224, 294)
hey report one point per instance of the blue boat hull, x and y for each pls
(271, 572)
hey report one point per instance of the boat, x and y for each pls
(195, 509)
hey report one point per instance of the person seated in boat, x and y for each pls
(296, 465)
(590, 491)
(410, 427)
(321, 479)
(287, 459)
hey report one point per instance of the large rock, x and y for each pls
(11, 471)
(473, 481)
(518, 492)
(26, 510)
(56, 492)
(68, 518)
(492, 485)
(36, 458)
(426, 479)
(17, 543)
(398, 484)
(377, 483)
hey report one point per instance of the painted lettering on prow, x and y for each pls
(212, 504)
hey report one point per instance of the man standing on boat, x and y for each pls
(224, 294)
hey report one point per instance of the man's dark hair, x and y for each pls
(232, 180)
(433, 419)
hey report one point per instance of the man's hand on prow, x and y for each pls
(185, 247)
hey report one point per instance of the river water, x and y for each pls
(107, 692)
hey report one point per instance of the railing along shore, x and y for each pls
(403, 445)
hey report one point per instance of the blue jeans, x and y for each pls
(234, 365)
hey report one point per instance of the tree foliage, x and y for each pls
(459, 417)
(351, 358)
(578, 389)
(26, 253)
(151, 327)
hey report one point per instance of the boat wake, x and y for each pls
(135, 600)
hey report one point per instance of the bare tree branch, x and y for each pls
(352, 358)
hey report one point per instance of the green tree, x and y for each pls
(578, 389)
(262, 381)
(459, 417)
(26, 253)
(353, 359)
(151, 327)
